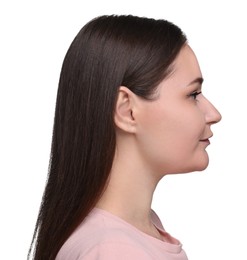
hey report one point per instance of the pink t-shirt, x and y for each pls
(103, 236)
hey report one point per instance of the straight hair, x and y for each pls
(108, 52)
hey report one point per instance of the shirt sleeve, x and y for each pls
(113, 251)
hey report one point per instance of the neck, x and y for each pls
(130, 191)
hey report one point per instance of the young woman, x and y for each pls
(129, 111)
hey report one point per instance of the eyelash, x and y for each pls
(195, 94)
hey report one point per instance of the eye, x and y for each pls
(195, 94)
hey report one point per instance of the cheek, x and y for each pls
(169, 139)
(185, 152)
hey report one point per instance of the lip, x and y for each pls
(207, 137)
(206, 141)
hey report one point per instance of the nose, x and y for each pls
(212, 115)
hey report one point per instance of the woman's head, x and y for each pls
(108, 52)
(170, 133)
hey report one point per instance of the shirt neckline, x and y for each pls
(169, 247)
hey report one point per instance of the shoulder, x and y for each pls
(102, 236)
(104, 245)
(115, 250)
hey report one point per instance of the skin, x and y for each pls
(167, 135)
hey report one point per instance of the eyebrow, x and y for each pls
(197, 80)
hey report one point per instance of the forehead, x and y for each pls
(184, 71)
(186, 67)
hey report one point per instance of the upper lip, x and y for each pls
(206, 138)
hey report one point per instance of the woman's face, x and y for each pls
(175, 128)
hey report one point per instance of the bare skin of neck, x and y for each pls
(129, 192)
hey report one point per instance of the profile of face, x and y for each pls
(173, 130)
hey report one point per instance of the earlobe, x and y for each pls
(124, 111)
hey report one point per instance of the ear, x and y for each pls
(124, 111)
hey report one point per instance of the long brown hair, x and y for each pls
(108, 52)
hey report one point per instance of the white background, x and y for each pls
(205, 210)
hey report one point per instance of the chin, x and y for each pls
(194, 164)
(199, 164)
(192, 168)
(202, 164)
(202, 168)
